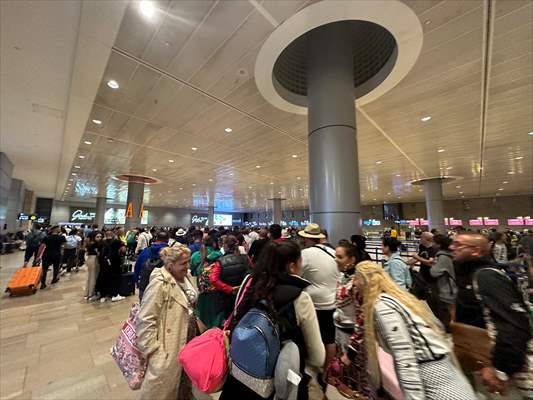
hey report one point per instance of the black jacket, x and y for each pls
(504, 308)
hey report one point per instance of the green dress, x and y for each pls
(207, 310)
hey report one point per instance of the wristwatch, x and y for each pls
(502, 376)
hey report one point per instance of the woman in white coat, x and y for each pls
(165, 323)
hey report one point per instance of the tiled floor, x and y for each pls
(54, 345)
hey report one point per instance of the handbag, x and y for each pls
(472, 346)
(205, 358)
(129, 359)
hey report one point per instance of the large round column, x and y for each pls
(134, 204)
(333, 164)
(100, 211)
(276, 210)
(211, 216)
(434, 204)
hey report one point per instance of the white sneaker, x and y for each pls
(102, 300)
(118, 297)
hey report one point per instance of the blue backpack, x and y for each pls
(254, 350)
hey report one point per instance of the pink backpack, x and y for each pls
(128, 358)
(205, 358)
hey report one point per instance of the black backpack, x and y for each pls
(146, 270)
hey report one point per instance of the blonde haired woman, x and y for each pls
(406, 328)
(165, 323)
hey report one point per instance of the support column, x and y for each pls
(100, 211)
(333, 162)
(434, 204)
(135, 201)
(276, 210)
(210, 216)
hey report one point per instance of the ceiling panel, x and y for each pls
(207, 51)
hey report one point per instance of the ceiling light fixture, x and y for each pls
(530, 133)
(249, 187)
(295, 156)
(154, 169)
(97, 122)
(379, 162)
(461, 192)
(500, 188)
(505, 182)
(147, 8)
(77, 167)
(194, 148)
(88, 142)
(113, 84)
(194, 184)
(74, 174)
(70, 180)
(449, 168)
(228, 130)
(510, 173)
(257, 166)
(518, 158)
(170, 161)
(271, 183)
(82, 157)
(210, 180)
(458, 187)
(388, 194)
(425, 119)
(441, 151)
(181, 188)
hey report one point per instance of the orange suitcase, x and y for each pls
(24, 281)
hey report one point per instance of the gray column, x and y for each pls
(100, 211)
(276, 210)
(333, 165)
(135, 200)
(434, 206)
(210, 216)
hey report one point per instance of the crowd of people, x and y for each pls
(343, 311)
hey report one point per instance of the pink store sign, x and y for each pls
(528, 221)
(424, 221)
(515, 221)
(456, 222)
(414, 222)
(492, 221)
(475, 222)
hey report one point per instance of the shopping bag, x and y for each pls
(126, 354)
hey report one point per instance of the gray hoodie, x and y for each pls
(443, 270)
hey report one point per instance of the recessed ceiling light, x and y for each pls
(231, 174)
(500, 188)
(271, 183)
(461, 192)
(170, 161)
(510, 173)
(295, 156)
(441, 151)
(458, 187)
(279, 192)
(194, 184)
(449, 168)
(530, 133)
(228, 130)
(181, 188)
(210, 180)
(77, 167)
(113, 84)
(88, 142)
(71, 179)
(425, 119)
(257, 166)
(249, 187)
(147, 8)
(427, 22)
(194, 148)
(74, 174)
(518, 158)
(379, 162)
(300, 189)
(375, 199)
(154, 169)
(388, 194)
(97, 122)
(82, 157)
(505, 182)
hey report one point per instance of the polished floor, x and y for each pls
(54, 345)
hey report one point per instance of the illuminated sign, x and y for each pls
(414, 222)
(491, 221)
(23, 217)
(424, 221)
(222, 219)
(456, 222)
(475, 222)
(199, 219)
(528, 221)
(372, 222)
(515, 221)
(82, 214)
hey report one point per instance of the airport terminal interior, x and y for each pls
(266, 199)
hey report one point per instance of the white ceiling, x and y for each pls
(38, 43)
(187, 73)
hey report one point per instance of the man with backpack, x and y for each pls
(148, 260)
(33, 241)
(487, 298)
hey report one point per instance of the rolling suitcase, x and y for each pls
(24, 281)
(127, 286)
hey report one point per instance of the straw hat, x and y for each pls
(312, 231)
(180, 232)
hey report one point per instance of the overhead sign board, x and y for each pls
(82, 214)
(199, 219)
(475, 222)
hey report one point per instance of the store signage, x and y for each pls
(456, 222)
(475, 222)
(515, 221)
(414, 222)
(528, 221)
(372, 222)
(33, 217)
(23, 217)
(491, 221)
(82, 215)
(40, 220)
(199, 219)
(424, 222)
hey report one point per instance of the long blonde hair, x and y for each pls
(375, 281)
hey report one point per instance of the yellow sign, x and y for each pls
(142, 211)
(129, 211)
